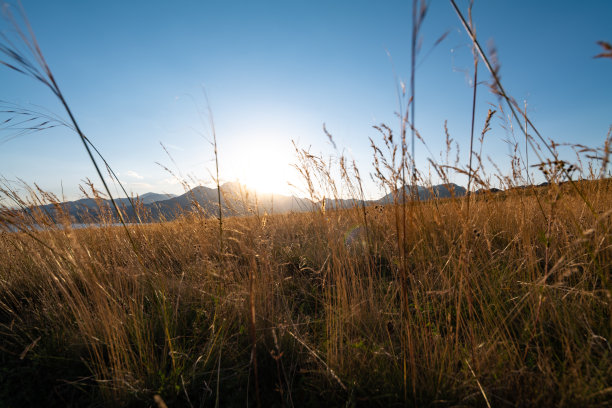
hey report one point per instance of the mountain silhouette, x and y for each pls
(236, 199)
(149, 198)
(424, 193)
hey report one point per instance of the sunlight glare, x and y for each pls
(267, 169)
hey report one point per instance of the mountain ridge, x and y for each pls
(236, 199)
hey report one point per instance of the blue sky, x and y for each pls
(275, 71)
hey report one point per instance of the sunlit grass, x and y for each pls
(519, 296)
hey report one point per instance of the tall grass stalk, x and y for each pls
(512, 105)
(217, 180)
(39, 69)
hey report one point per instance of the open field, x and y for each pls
(506, 305)
(496, 294)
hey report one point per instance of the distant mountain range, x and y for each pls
(236, 199)
(150, 198)
(425, 193)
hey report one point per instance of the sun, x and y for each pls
(268, 175)
(266, 169)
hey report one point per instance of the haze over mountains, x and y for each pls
(236, 199)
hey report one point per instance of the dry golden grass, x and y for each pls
(510, 306)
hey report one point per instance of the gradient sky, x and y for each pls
(275, 71)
